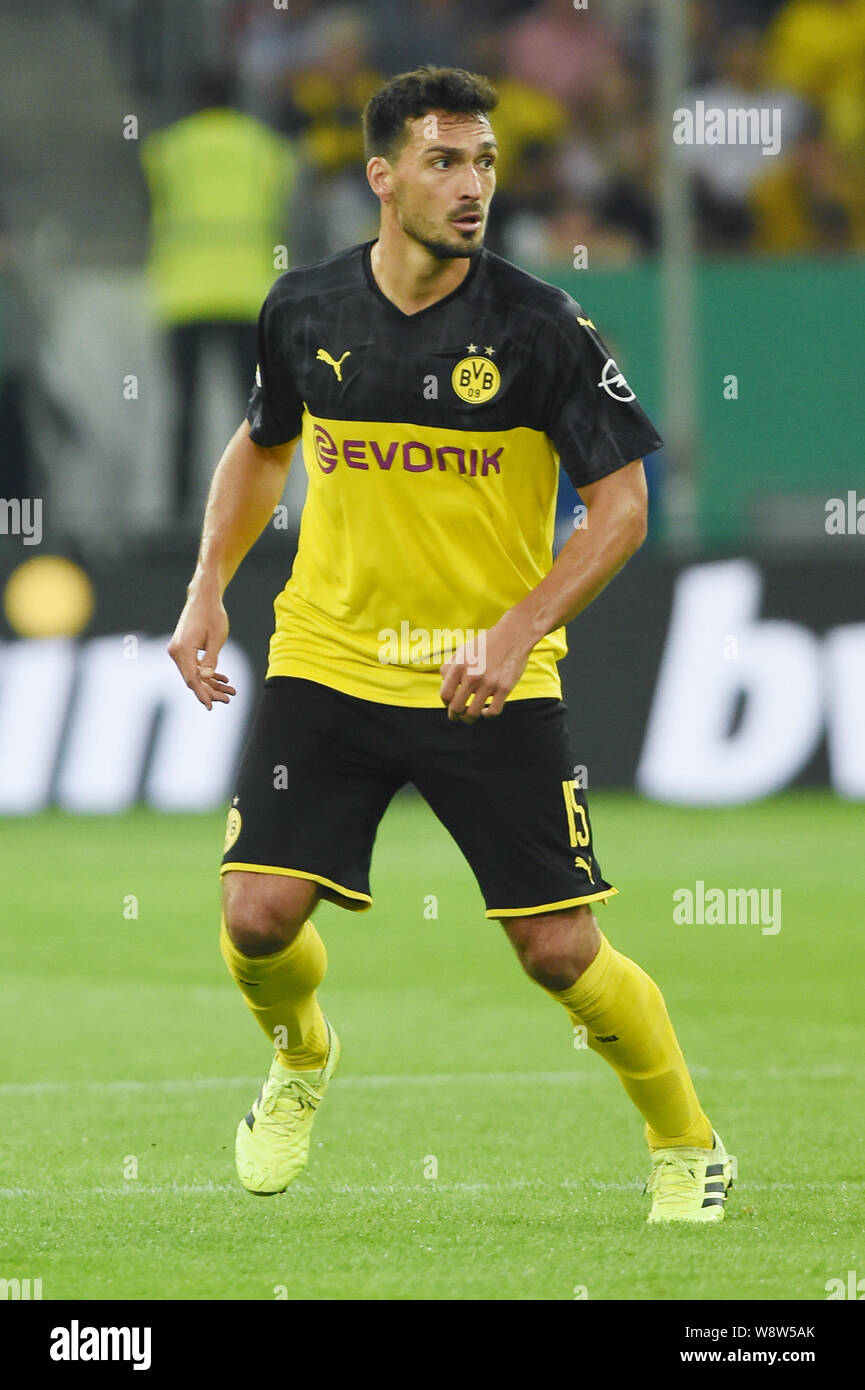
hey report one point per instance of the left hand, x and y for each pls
(487, 672)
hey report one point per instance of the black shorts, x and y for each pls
(320, 768)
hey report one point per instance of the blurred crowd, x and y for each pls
(251, 153)
(262, 148)
(577, 122)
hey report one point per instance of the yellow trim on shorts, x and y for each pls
(363, 898)
(551, 907)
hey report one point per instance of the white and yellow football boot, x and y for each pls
(272, 1143)
(690, 1184)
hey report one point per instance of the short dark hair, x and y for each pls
(412, 94)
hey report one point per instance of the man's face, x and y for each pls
(443, 181)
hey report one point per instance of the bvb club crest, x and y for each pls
(232, 828)
(476, 379)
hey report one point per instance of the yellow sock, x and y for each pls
(616, 1000)
(280, 991)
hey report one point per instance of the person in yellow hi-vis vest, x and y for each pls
(219, 183)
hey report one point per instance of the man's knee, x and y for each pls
(264, 912)
(555, 949)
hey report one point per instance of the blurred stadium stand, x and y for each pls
(580, 167)
(89, 393)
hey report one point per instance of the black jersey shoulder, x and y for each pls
(537, 298)
(321, 282)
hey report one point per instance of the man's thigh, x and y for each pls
(506, 791)
(316, 776)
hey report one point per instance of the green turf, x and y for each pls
(124, 1040)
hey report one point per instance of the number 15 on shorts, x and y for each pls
(578, 825)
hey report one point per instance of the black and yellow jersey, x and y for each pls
(431, 442)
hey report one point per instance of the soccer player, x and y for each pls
(436, 389)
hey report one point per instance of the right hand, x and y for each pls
(201, 631)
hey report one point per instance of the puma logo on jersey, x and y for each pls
(582, 863)
(323, 356)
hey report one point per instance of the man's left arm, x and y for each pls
(615, 527)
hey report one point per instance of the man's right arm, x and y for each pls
(246, 487)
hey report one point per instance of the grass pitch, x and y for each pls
(465, 1149)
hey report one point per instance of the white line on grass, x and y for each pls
(505, 1078)
(313, 1190)
(216, 1083)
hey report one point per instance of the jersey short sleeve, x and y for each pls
(596, 423)
(275, 409)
